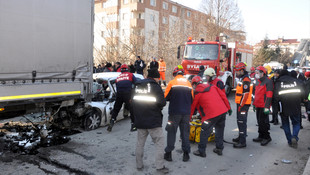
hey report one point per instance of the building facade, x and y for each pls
(290, 45)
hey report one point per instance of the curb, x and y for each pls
(307, 168)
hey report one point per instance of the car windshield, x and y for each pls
(201, 52)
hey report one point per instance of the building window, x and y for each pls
(165, 5)
(188, 14)
(125, 16)
(125, 1)
(152, 17)
(174, 9)
(153, 3)
(163, 35)
(102, 34)
(164, 20)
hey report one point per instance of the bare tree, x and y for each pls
(224, 16)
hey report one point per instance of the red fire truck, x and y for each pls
(221, 56)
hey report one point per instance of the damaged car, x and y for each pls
(99, 109)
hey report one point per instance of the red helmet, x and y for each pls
(196, 80)
(261, 68)
(252, 69)
(124, 67)
(307, 74)
(178, 70)
(240, 66)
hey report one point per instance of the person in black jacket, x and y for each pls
(201, 71)
(275, 103)
(154, 63)
(290, 93)
(139, 65)
(147, 102)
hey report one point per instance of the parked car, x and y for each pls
(104, 89)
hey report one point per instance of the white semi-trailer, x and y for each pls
(46, 56)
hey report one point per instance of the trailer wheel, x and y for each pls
(92, 120)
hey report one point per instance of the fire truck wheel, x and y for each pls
(92, 120)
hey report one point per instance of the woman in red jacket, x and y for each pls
(212, 104)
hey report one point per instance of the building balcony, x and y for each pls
(137, 7)
(137, 23)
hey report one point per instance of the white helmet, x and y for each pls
(209, 72)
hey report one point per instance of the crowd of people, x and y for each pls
(265, 89)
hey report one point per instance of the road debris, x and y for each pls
(27, 137)
(286, 161)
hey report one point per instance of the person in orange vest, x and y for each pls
(162, 70)
(243, 100)
(180, 94)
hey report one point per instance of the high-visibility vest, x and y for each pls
(161, 66)
(240, 94)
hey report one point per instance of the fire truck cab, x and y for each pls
(221, 56)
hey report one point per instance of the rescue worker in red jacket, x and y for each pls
(212, 79)
(124, 85)
(243, 100)
(262, 102)
(180, 94)
(212, 104)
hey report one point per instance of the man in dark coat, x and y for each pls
(139, 65)
(147, 102)
(154, 63)
(290, 93)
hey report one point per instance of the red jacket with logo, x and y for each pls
(125, 81)
(210, 101)
(263, 93)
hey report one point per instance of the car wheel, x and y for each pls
(92, 120)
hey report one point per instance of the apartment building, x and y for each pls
(145, 23)
(290, 45)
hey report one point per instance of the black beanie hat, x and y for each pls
(153, 73)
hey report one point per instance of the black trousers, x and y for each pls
(242, 116)
(122, 97)
(263, 124)
(275, 110)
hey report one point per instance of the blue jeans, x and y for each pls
(286, 126)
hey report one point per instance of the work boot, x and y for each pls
(185, 156)
(265, 142)
(198, 153)
(163, 170)
(239, 145)
(133, 127)
(258, 139)
(276, 122)
(236, 139)
(218, 151)
(294, 142)
(272, 121)
(168, 156)
(164, 83)
(159, 82)
(112, 121)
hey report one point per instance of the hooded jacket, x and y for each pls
(147, 103)
(210, 101)
(263, 93)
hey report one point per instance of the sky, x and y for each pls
(272, 18)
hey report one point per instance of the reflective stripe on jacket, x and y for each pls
(180, 94)
(244, 91)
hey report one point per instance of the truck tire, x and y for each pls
(92, 120)
(228, 87)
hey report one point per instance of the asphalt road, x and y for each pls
(101, 152)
